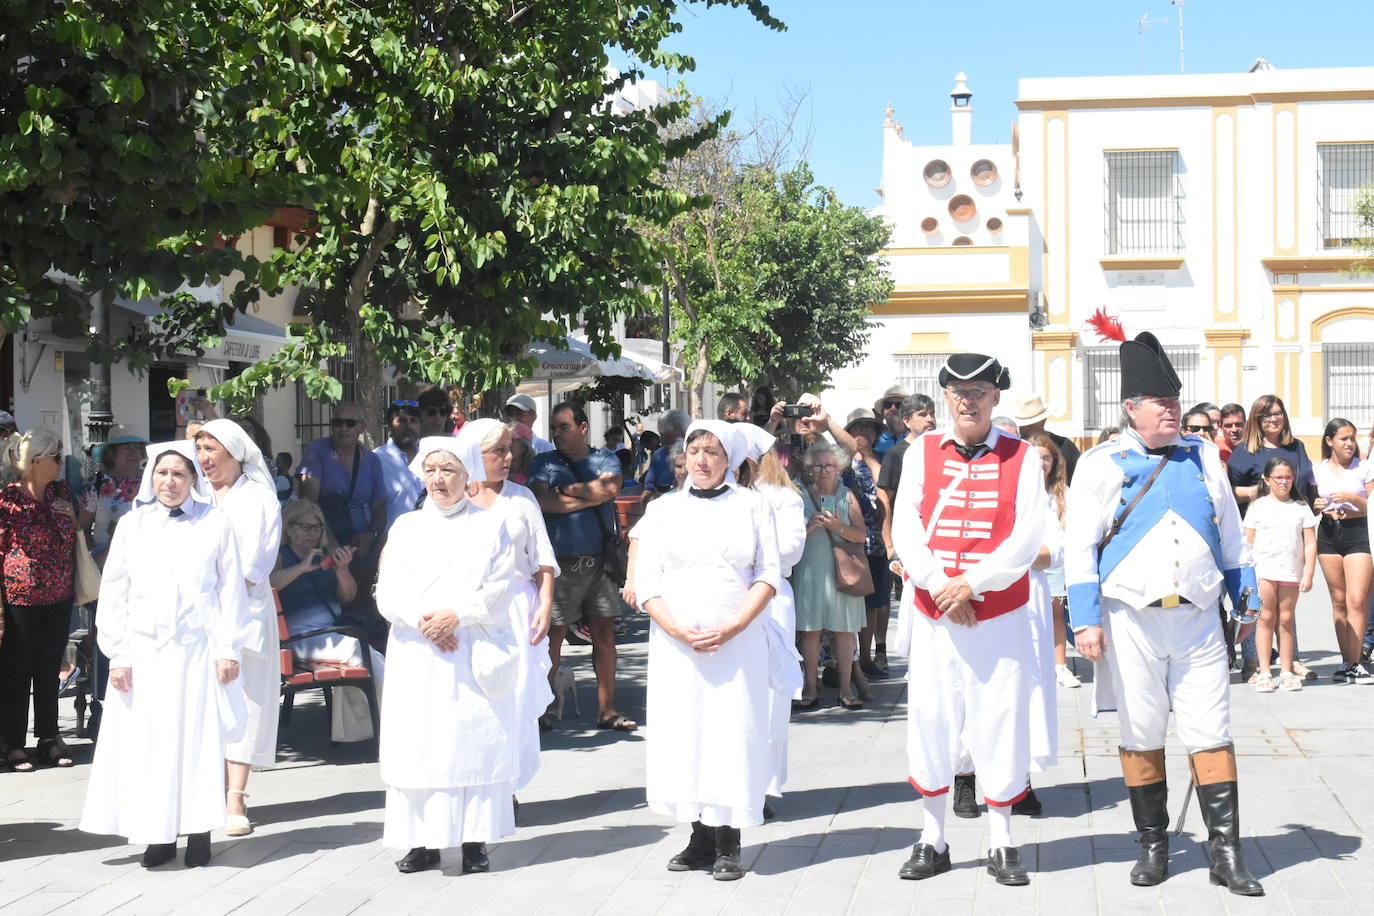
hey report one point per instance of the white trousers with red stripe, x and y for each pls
(968, 689)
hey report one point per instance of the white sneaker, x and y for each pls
(1066, 678)
(1358, 674)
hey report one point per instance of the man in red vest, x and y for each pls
(968, 524)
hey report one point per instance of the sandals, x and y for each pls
(54, 753)
(19, 764)
(1289, 681)
(1264, 683)
(851, 703)
(237, 824)
(804, 704)
(617, 722)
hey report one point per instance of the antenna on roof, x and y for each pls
(1180, 5)
(1144, 23)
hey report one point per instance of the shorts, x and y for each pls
(878, 598)
(1342, 536)
(583, 589)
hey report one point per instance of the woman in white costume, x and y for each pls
(174, 618)
(768, 477)
(243, 486)
(1044, 710)
(530, 567)
(706, 569)
(450, 753)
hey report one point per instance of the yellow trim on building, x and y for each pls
(1318, 386)
(1122, 263)
(1226, 337)
(1318, 326)
(1277, 110)
(949, 301)
(1218, 314)
(1058, 309)
(1283, 300)
(1196, 101)
(926, 342)
(1226, 342)
(1054, 340)
(1311, 264)
(950, 249)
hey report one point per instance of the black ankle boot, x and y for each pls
(418, 859)
(197, 850)
(965, 795)
(1029, 805)
(1150, 808)
(158, 853)
(700, 851)
(727, 867)
(1221, 814)
(475, 858)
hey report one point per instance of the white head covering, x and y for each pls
(471, 436)
(757, 441)
(243, 449)
(467, 453)
(200, 489)
(730, 439)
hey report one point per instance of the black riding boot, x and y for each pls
(158, 853)
(727, 867)
(700, 851)
(1220, 812)
(1150, 808)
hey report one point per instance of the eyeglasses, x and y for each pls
(404, 403)
(1274, 415)
(1197, 429)
(350, 422)
(1279, 479)
(309, 529)
(967, 394)
(823, 467)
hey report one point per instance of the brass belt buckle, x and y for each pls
(1169, 601)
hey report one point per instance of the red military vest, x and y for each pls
(977, 512)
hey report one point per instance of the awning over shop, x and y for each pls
(247, 340)
(571, 367)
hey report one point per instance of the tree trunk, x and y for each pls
(697, 393)
(368, 365)
(371, 388)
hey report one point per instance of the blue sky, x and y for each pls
(853, 58)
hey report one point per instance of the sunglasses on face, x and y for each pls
(309, 529)
(434, 411)
(344, 421)
(890, 405)
(1196, 429)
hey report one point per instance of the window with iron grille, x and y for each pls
(1343, 170)
(1102, 382)
(312, 417)
(919, 373)
(1144, 202)
(1350, 383)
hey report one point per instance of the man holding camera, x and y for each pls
(1152, 535)
(968, 525)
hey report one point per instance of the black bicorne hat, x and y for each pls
(1146, 370)
(974, 367)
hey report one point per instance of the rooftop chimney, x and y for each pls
(961, 111)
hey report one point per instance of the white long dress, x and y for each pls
(708, 752)
(530, 549)
(255, 516)
(789, 520)
(172, 603)
(450, 752)
(1044, 713)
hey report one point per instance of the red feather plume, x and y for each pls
(1107, 327)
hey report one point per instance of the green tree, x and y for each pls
(471, 189)
(818, 260)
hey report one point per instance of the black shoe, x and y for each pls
(924, 863)
(768, 813)
(418, 859)
(700, 851)
(1028, 805)
(158, 853)
(1339, 677)
(1005, 865)
(197, 850)
(515, 810)
(1150, 808)
(874, 670)
(1220, 812)
(727, 867)
(474, 858)
(965, 799)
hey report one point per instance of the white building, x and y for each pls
(964, 257)
(1216, 211)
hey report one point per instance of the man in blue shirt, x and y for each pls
(576, 486)
(889, 410)
(400, 486)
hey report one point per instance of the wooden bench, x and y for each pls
(297, 675)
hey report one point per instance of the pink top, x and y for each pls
(1349, 480)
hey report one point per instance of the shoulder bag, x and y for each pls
(85, 573)
(852, 573)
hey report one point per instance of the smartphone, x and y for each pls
(797, 411)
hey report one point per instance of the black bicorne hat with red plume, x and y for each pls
(1146, 370)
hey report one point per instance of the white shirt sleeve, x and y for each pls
(1010, 559)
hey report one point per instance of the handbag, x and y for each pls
(853, 576)
(85, 573)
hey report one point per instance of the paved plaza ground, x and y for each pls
(587, 843)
